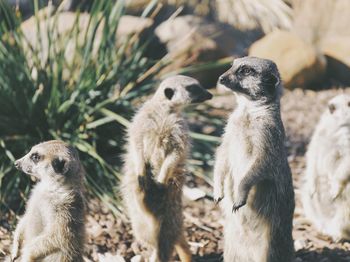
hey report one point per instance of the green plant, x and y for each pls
(81, 86)
(82, 94)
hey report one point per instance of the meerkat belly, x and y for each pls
(35, 222)
(251, 233)
(241, 158)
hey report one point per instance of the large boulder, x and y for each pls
(326, 26)
(337, 52)
(65, 22)
(298, 62)
(254, 15)
(316, 20)
(191, 39)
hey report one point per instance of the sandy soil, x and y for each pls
(110, 238)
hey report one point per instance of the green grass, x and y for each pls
(84, 94)
(85, 100)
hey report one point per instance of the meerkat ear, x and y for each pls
(331, 108)
(169, 93)
(59, 165)
(273, 80)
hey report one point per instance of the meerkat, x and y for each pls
(326, 192)
(157, 148)
(252, 177)
(52, 228)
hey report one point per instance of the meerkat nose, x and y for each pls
(223, 80)
(209, 96)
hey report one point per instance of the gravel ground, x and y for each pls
(110, 239)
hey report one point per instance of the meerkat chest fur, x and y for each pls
(332, 142)
(246, 127)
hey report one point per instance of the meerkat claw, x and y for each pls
(235, 207)
(217, 200)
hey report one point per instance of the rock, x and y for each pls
(300, 244)
(108, 257)
(137, 258)
(315, 22)
(326, 26)
(65, 22)
(254, 15)
(298, 62)
(193, 193)
(191, 39)
(337, 52)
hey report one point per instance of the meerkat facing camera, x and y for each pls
(154, 167)
(251, 174)
(326, 193)
(52, 228)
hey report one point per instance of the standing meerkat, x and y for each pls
(251, 173)
(326, 193)
(52, 228)
(154, 167)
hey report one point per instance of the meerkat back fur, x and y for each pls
(326, 193)
(251, 173)
(154, 168)
(52, 228)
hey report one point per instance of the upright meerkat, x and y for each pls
(157, 148)
(251, 173)
(326, 193)
(52, 228)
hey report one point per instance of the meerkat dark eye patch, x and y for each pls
(246, 70)
(331, 108)
(58, 165)
(35, 157)
(193, 89)
(169, 93)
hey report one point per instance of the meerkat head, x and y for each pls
(182, 90)
(339, 108)
(255, 78)
(52, 159)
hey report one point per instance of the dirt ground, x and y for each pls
(110, 239)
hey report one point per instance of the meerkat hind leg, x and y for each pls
(183, 250)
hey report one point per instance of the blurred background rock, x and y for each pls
(202, 31)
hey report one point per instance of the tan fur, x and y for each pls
(154, 167)
(52, 228)
(251, 173)
(326, 193)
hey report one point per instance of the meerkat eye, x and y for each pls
(331, 108)
(169, 93)
(35, 157)
(245, 71)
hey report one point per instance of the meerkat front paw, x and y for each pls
(335, 190)
(14, 258)
(27, 257)
(218, 195)
(311, 188)
(14, 253)
(238, 205)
